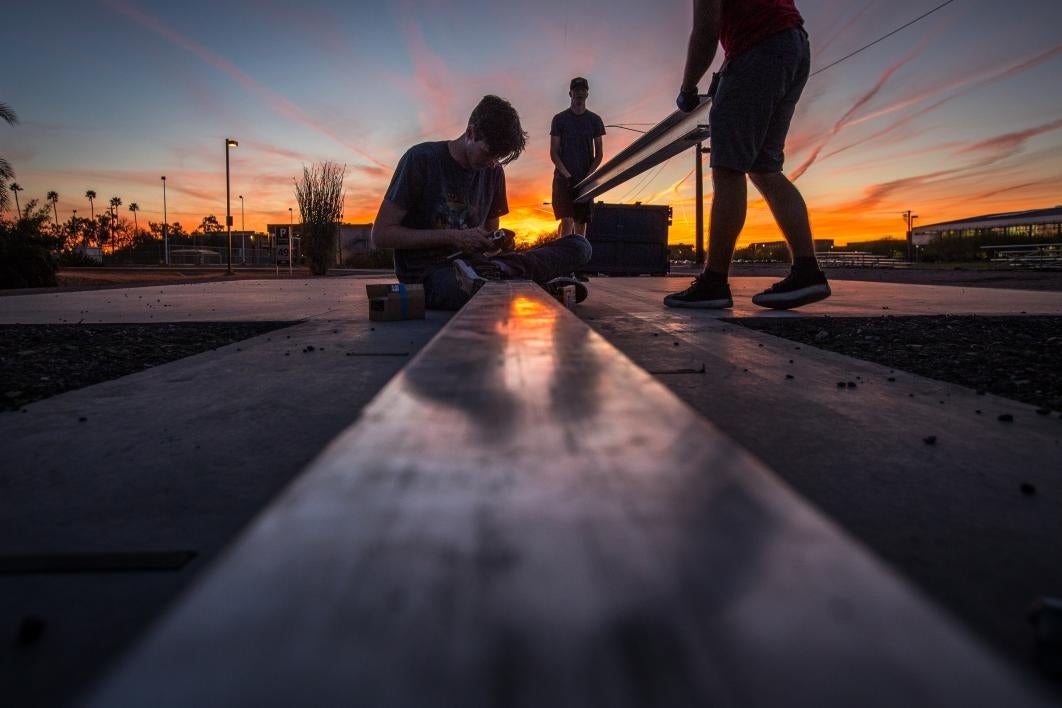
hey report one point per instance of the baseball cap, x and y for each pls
(578, 82)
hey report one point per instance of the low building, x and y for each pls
(1014, 226)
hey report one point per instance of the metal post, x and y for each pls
(243, 234)
(228, 210)
(699, 233)
(165, 225)
(291, 239)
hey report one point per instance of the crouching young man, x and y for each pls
(441, 211)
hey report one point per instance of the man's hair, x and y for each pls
(495, 121)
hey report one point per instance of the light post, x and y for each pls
(229, 143)
(291, 238)
(909, 218)
(165, 226)
(243, 235)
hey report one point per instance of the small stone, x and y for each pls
(1005, 418)
(789, 376)
(675, 343)
(840, 384)
(978, 412)
(790, 361)
(823, 334)
(82, 419)
(851, 384)
(891, 379)
(930, 440)
(1028, 490)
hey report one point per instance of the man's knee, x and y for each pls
(581, 249)
(766, 181)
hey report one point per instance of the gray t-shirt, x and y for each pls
(438, 193)
(577, 133)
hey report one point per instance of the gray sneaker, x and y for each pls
(470, 278)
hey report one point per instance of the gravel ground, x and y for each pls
(40, 361)
(1015, 357)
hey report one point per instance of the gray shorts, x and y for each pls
(755, 100)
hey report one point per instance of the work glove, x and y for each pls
(688, 100)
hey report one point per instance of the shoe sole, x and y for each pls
(794, 298)
(557, 284)
(719, 304)
(467, 278)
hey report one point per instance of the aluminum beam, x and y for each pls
(676, 133)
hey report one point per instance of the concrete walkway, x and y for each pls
(181, 456)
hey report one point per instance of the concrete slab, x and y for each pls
(232, 301)
(949, 516)
(180, 456)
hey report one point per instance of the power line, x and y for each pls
(883, 38)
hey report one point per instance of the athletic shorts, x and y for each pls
(564, 205)
(755, 100)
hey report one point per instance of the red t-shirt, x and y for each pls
(746, 23)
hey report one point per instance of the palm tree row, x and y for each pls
(6, 171)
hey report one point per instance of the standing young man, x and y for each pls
(575, 149)
(443, 207)
(766, 66)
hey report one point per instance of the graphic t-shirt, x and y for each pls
(577, 133)
(438, 193)
(746, 23)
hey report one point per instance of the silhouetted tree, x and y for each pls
(92, 206)
(53, 197)
(320, 197)
(6, 171)
(15, 189)
(115, 203)
(134, 207)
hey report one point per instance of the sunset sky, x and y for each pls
(958, 115)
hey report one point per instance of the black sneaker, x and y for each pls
(556, 287)
(703, 294)
(797, 289)
(470, 278)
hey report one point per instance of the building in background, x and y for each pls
(978, 237)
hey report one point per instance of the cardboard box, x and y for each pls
(395, 301)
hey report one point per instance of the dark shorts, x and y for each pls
(564, 205)
(755, 100)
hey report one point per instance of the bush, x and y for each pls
(77, 259)
(26, 259)
(320, 197)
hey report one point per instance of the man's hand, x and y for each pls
(472, 240)
(688, 99)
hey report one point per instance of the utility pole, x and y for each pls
(909, 219)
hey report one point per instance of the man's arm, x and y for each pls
(554, 155)
(597, 154)
(388, 232)
(704, 39)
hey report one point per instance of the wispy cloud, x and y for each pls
(1012, 142)
(279, 103)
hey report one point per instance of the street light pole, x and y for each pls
(291, 238)
(243, 235)
(229, 143)
(165, 225)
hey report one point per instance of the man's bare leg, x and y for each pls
(789, 211)
(729, 203)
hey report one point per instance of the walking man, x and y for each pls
(575, 149)
(767, 60)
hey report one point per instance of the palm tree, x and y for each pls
(115, 203)
(91, 195)
(53, 197)
(15, 189)
(134, 207)
(6, 172)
